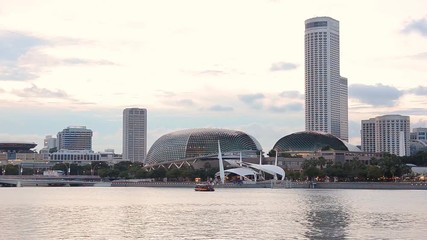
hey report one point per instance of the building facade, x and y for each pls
(344, 108)
(388, 133)
(419, 134)
(418, 140)
(75, 138)
(135, 134)
(325, 90)
(50, 142)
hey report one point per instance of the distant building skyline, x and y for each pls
(326, 92)
(135, 134)
(387, 133)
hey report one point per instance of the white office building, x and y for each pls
(50, 142)
(134, 134)
(388, 133)
(344, 108)
(326, 94)
(75, 138)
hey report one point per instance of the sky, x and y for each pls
(233, 64)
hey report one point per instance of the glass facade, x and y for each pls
(316, 24)
(312, 141)
(199, 143)
(75, 138)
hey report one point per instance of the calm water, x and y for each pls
(171, 213)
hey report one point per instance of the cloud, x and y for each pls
(252, 99)
(13, 72)
(412, 112)
(80, 61)
(211, 73)
(291, 107)
(291, 94)
(13, 45)
(22, 59)
(37, 92)
(422, 55)
(419, 26)
(420, 90)
(219, 108)
(378, 95)
(185, 102)
(282, 66)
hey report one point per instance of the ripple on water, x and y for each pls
(162, 213)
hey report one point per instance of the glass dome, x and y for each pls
(312, 141)
(199, 143)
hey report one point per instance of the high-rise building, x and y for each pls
(326, 104)
(344, 108)
(388, 133)
(75, 138)
(50, 142)
(134, 134)
(368, 135)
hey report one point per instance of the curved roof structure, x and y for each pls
(17, 146)
(199, 143)
(312, 141)
(270, 169)
(242, 171)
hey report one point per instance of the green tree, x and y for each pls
(373, 173)
(11, 169)
(158, 173)
(173, 174)
(312, 172)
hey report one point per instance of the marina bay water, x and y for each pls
(182, 213)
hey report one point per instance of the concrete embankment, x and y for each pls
(266, 184)
(288, 184)
(370, 185)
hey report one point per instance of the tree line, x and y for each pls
(385, 168)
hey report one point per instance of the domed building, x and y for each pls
(292, 150)
(201, 143)
(311, 142)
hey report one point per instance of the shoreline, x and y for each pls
(285, 185)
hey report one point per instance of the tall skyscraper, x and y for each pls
(344, 108)
(388, 133)
(326, 95)
(75, 138)
(135, 134)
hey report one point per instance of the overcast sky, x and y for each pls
(224, 64)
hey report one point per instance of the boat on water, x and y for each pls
(204, 187)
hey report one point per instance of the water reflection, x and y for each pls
(150, 213)
(327, 216)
